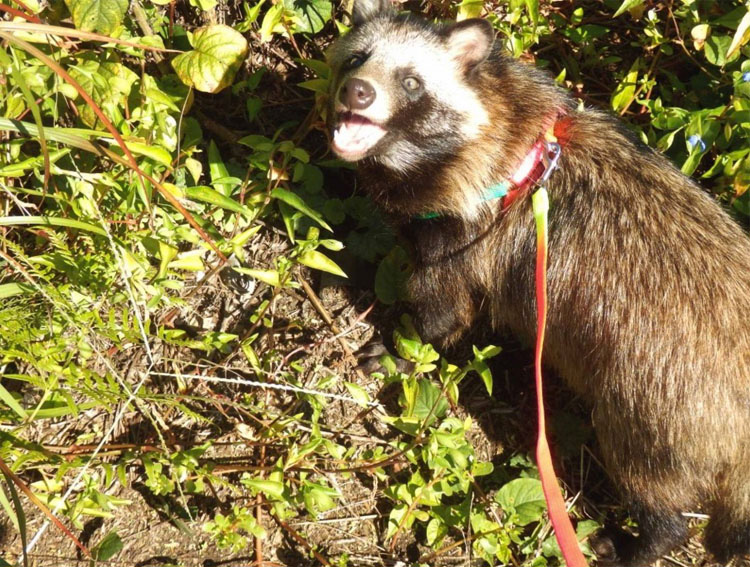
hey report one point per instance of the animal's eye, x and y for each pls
(354, 61)
(411, 83)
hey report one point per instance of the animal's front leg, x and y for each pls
(442, 305)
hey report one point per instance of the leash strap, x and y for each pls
(564, 532)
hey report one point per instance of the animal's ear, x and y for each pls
(470, 41)
(364, 10)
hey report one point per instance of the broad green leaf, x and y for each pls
(156, 153)
(294, 200)
(271, 488)
(482, 468)
(319, 261)
(358, 393)
(101, 16)
(627, 5)
(436, 531)
(716, 49)
(217, 55)
(391, 276)
(107, 81)
(11, 289)
(309, 15)
(469, 9)
(108, 547)
(321, 68)
(625, 91)
(524, 496)
(272, 22)
(429, 401)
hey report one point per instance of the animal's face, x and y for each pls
(401, 89)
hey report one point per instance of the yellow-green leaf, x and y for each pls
(191, 261)
(218, 53)
(101, 16)
(294, 200)
(319, 261)
(208, 195)
(625, 91)
(51, 221)
(167, 253)
(11, 402)
(741, 36)
(266, 276)
(11, 289)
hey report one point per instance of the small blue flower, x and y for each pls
(696, 140)
(746, 77)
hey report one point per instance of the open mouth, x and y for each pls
(355, 135)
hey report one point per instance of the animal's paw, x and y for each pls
(375, 357)
(613, 548)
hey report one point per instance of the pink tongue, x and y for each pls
(356, 136)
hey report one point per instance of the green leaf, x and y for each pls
(107, 81)
(469, 9)
(716, 48)
(309, 15)
(108, 547)
(482, 468)
(319, 261)
(156, 153)
(12, 289)
(208, 195)
(217, 55)
(271, 488)
(532, 6)
(218, 170)
(436, 531)
(625, 91)
(295, 201)
(429, 401)
(627, 5)
(391, 276)
(51, 221)
(741, 36)
(101, 16)
(269, 277)
(315, 85)
(272, 22)
(11, 402)
(524, 496)
(358, 393)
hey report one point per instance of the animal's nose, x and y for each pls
(357, 94)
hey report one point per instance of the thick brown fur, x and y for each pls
(648, 283)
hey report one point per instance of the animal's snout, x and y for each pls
(357, 94)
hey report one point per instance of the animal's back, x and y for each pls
(647, 280)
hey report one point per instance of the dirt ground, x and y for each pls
(154, 536)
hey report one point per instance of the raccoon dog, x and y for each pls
(647, 275)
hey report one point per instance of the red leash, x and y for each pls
(558, 515)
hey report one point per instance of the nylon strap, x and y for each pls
(558, 515)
